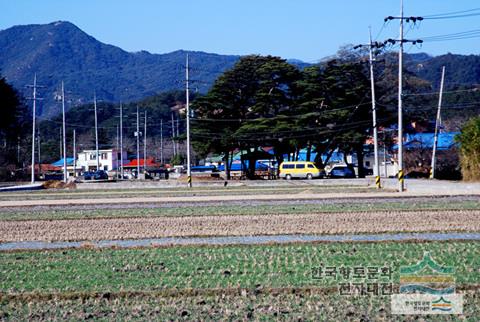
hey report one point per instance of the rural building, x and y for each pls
(109, 160)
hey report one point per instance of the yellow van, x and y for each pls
(300, 169)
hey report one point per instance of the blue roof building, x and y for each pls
(59, 163)
(446, 141)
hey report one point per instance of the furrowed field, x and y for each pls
(234, 282)
(225, 282)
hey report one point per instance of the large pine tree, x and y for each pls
(13, 126)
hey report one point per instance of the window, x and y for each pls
(367, 163)
(93, 156)
(311, 166)
(288, 166)
(300, 166)
(103, 156)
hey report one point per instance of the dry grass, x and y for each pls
(240, 225)
(246, 305)
(55, 184)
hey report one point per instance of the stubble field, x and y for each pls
(242, 282)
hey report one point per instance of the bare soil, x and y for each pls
(223, 198)
(241, 225)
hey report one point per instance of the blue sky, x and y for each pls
(304, 29)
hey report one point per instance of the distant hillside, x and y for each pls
(61, 51)
(460, 69)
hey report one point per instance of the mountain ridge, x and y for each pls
(61, 51)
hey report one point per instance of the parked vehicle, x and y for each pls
(158, 174)
(129, 175)
(88, 175)
(342, 171)
(204, 168)
(300, 169)
(100, 175)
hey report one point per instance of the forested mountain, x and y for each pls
(61, 51)
(81, 118)
(460, 69)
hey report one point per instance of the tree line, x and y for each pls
(262, 101)
(265, 101)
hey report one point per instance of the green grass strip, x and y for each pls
(273, 266)
(239, 210)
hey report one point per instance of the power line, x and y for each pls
(282, 117)
(446, 92)
(455, 36)
(452, 13)
(436, 93)
(426, 108)
(453, 16)
(319, 131)
(304, 129)
(381, 30)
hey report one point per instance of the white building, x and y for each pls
(387, 165)
(108, 160)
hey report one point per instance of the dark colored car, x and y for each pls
(88, 175)
(100, 175)
(204, 168)
(368, 172)
(342, 172)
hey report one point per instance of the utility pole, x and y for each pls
(116, 151)
(145, 144)
(401, 183)
(173, 136)
(376, 169)
(437, 125)
(187, 94)
(161, 141)
(371, 45)
(96, 130)
(34, 112)
(138, 144)
(121, 139)
(65, 172)
(74, 153)
(18, 150)
(384, 154)
(178, 134)
(61, 143)
(39, 154)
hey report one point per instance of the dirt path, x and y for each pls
(220, 198)
(244, 225)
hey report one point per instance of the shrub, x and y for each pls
(469, 140)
